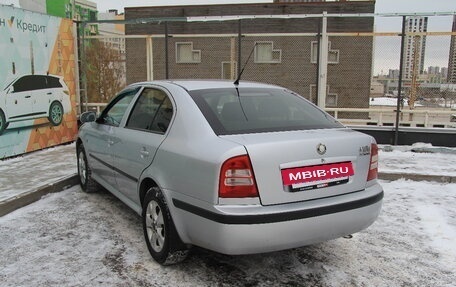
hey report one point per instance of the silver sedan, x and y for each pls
(234, 168)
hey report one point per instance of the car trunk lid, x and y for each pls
(305, 165)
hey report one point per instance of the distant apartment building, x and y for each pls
(393, 74)
(415, 46)
(444, 72)
(433, 70)
(78, 10)
(452, 57)
(114, 38)
(114, 33)
(284, 51)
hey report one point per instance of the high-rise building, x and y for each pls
(114, 33)
(444, 72)
(114, 38)
(79, 10)
(433, 70)
(452, 57)
(393, 74)
(415, 46)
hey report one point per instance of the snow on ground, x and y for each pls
(418, 159)
(76, 239)
(389, 102)
(30, 171)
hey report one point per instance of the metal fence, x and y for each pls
(379, 78)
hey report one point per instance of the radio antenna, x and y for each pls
(236, 82)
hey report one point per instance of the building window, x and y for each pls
(333, 55)
(186, 54)
(331, 100)
(265, 53)
(229, 72)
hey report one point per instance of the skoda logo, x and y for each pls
(321, 148)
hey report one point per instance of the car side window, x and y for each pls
(114, 113)
(152, 111)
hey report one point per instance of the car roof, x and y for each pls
(191, 85)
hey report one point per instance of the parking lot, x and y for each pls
(76, 239)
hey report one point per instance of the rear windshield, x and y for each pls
(253, 110)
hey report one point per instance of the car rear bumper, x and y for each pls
(257, 229)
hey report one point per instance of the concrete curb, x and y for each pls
(72, 180)
(417, 177)
(22, 200)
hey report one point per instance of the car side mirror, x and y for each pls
(88, 117)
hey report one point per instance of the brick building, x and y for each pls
(285, 51)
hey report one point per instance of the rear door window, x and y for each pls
(152, 111)
(252, 110)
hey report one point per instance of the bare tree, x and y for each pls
(105, 71)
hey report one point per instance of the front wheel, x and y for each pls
(56, 113)
(160, 233)
(85, 173)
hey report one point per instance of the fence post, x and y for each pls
(399, 86)
(239, 48)
(166, 52)
(149, 59)
(323, 63)
(84, 67)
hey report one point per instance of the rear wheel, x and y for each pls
(160, 233)
(3, 123)
(85, 173)
(56, 113)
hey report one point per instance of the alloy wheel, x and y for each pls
(82, 167)
(56, 113)
(155, 226)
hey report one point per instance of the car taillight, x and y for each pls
(237, 179)
(373, 166)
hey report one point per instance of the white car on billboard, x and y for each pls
(31, 97)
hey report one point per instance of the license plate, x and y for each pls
(317, 176)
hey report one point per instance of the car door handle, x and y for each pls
(110, 142)
(28, 97)
(144, 153)
(50, 93)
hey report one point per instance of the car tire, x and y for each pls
(161, 236)
(84, 172)
(55, 113)
(3, 123)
